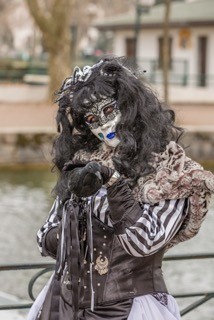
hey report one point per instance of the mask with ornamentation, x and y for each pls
(102, 120)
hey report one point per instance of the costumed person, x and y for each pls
(126, 193)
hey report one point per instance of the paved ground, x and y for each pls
(22, 108)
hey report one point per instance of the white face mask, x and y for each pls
(103, 119)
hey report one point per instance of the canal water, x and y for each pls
(24, 204)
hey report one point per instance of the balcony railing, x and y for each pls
(201, 297)
(179, 74)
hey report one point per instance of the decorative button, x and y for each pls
(104, 244)
(105, 237)
(101, 252)
(95, 249)
(98, 284)
(85, 287)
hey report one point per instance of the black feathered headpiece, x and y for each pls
(79, 92)
(146, 125)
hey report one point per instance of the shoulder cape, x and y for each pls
(176, 176)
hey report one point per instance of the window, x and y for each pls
(130, 47)
(160, 53)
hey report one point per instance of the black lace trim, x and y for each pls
(161, 297)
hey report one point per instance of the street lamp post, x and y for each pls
(141, 6)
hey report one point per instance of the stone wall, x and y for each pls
(199, 146)
(22, 148)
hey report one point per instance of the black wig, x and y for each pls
(146, 125)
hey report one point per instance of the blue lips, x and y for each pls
(111, 135)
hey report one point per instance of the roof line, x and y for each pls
(183, 24)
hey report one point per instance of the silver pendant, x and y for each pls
(102, 265)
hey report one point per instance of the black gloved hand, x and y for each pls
(87, 178)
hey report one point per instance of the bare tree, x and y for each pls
(166, 44)
(6, 35)
(53, 19)
(58, 20)
(86, 11)
(4, 4)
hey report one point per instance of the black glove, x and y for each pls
(86, 179)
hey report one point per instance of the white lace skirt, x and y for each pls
(144, 307)
(148, 308)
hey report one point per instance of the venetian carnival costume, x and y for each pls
(126, 193)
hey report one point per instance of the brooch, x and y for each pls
(101, 265)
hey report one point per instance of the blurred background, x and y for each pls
(40, 43)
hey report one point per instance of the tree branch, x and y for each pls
(166, 47)
(60, 11)
(38, 15)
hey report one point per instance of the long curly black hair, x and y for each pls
(146, 124)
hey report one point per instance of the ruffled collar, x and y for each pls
(176, 176)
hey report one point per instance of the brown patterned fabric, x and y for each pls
(176, 176)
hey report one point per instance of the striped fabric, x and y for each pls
(52, 221)
(155, 228)
(157, 225)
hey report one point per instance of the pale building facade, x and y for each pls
(191, 41)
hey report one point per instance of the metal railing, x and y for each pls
(14, 70)
(179, 74)
(47, 267)
(203, 296)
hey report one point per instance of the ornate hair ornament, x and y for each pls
(78, 76)
(81, 76)
(84, 74)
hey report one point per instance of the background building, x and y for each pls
(191, 41)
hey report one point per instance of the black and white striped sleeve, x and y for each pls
(49, 228)
(144, 229)
(157, 225)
